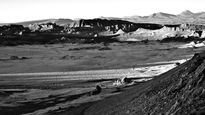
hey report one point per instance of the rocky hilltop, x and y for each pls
(180, 91)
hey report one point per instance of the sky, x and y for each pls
(24, 10)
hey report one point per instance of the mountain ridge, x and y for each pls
(159, 18)
(60, 21)
(166, 18)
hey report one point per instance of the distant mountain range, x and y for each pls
(61, 22)
(165, 18)
(159, 18)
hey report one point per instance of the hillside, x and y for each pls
(178, 91)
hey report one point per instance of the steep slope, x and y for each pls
(178, 91)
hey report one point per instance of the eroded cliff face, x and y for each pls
(120, 30)
(105, 26)
(137, 31)
(180, 32)
(113, 25)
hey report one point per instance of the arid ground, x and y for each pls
(57, 78)
(76, 57)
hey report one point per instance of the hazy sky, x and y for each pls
(23, 10)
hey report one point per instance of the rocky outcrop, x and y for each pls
(102, 29)
(197, 27)
(13, 30)
(113, 25)
(160, 34)
(136, 31)
(45, 27)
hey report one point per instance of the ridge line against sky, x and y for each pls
(12, 11)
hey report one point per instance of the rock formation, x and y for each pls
(45, 27)
(97, 90)
(113, 25)
(104, 29)
(13, 30)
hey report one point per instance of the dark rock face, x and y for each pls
(12, 30)
(34, 34)
(197, 27)
(175, 26)
(113, 25)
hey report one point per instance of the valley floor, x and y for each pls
(60, 78)
(76, 57)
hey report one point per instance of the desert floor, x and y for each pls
(57, 78)
(76, 57)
